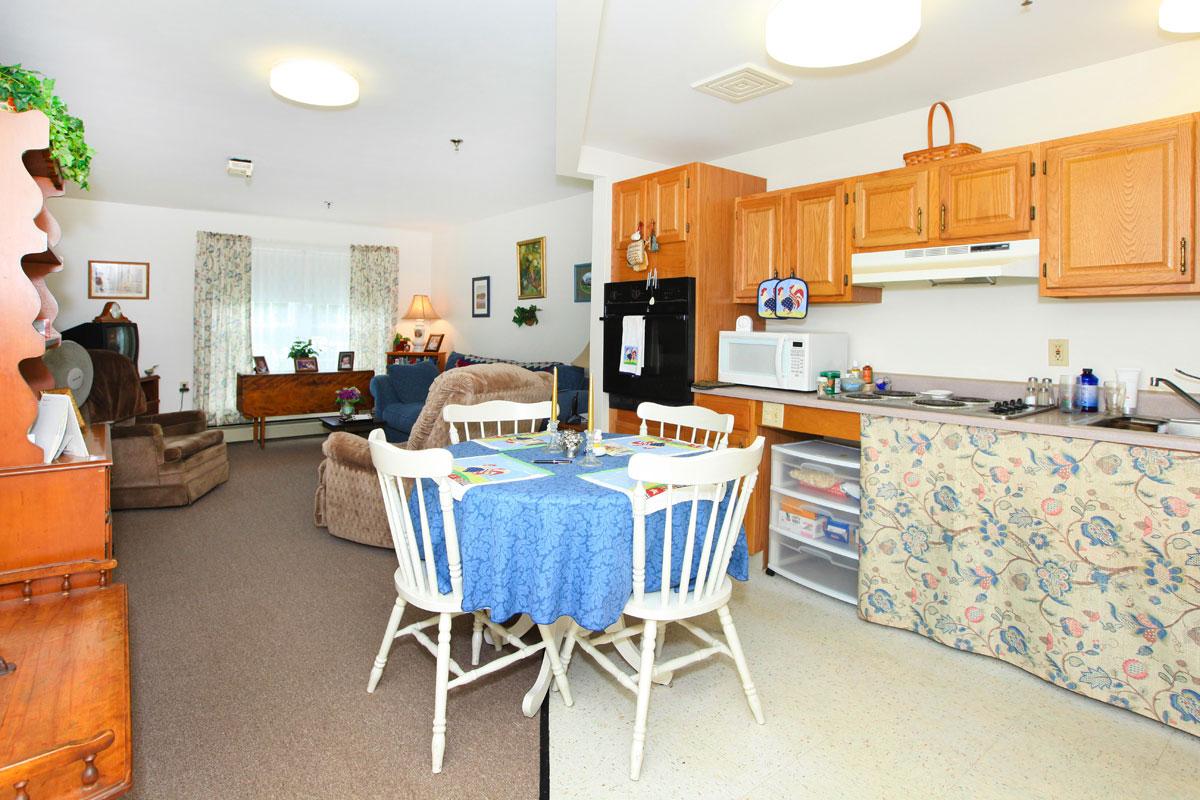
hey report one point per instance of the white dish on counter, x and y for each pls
(937, 394)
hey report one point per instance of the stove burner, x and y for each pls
(962, 399)
(896, 393)
(862, 396)
(937, 403)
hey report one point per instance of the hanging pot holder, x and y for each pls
(635, 253)
(766, 298)
(791, 298)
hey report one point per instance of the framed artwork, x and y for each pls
(260, 366)
(434, 343)
(306, 364)
(481, 296)
(346, 361)
(531, 268)
(583, 283)
(119, 280)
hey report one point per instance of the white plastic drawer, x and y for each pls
(826, 528)
(834, 487)
(825, 572)
(818, 450)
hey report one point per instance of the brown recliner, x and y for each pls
(159, 460)
(348, 500)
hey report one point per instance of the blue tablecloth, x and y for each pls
(558, 545)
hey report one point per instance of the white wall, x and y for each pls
(488, 247)
(1001, 331)
(166, 238)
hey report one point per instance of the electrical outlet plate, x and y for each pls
(772, 415)
(1060, 354)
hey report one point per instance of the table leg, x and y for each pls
(541, 687)
(262, 433)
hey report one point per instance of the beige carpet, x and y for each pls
(252, 635)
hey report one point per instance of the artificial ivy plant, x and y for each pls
(302, 349)
(24, 90)
(525, 315)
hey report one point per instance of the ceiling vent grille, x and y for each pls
(742, 83)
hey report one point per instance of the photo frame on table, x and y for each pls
(346, 361)
(434, 343)
(307, 364)
(119, 280)
(260, 366)
(531, 268)
(583, 283)
(481, 296)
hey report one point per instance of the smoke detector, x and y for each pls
(240, 167)
(742, 83)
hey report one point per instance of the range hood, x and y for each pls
(955, 263)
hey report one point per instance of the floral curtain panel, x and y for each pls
(374, 271)
(1077, 561)
(221, 328)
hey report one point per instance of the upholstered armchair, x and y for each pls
(166, 460)
(348, 500)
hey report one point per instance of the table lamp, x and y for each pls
(420, 310)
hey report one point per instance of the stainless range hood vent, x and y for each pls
(956, 263)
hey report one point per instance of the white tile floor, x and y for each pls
(855, 710)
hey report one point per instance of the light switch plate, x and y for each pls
(772, 415)
(1060, 354)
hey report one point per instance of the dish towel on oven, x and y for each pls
(633, 340)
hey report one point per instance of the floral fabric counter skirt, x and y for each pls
(1077, 561)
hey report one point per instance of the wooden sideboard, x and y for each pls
(291, 394)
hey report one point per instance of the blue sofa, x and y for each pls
(400, 393)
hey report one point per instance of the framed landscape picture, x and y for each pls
(481, 296)
(531, 268)
(119, 280)
(583, 283)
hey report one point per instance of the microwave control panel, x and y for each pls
(796, 359)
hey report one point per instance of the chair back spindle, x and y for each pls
(491, 418)
(693, 424)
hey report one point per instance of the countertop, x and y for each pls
(1049, 423)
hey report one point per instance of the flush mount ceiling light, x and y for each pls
(314, 83)
(1179, 16)
(833, 33)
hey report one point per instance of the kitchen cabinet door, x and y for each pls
(667, 205)
(814, 238)
(1119, 208)
(985, 196)
(892, 208)
(757, 243)
(629, 208)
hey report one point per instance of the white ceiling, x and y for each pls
(168, 91)
(651, 52)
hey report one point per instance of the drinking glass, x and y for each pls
(1068, 394)
(1114, 398)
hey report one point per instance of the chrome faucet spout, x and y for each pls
(1192, 401)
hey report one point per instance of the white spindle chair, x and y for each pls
(732, 473)
(706, 426)
(491, 418)
(416, 579)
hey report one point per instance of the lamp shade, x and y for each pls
(314, 83)
(421, 308)
(1179, 16)
(821, 33)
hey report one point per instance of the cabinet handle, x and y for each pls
(920, 215)
(1183, 256)
(943, 215)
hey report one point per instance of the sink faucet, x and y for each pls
(1192, 401)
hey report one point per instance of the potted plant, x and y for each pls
(28, 90)
(348, 397)
(401, 343)
(525, 315)
(301, 349)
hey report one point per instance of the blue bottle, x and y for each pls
(1089, 392)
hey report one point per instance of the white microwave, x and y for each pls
(780, 360)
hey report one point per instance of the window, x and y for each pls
(299, 293)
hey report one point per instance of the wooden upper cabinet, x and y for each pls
(985, 195)
(814, 238)
(629, 208)
(757, 242)
(1119, 210)
(667, 205)
(892, 208)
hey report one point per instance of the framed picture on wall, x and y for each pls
(481, 296)
(531, 268)
(583, 283)
(119, 280)
(346, 361)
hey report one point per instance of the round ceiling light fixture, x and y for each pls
(834, 33)
(314, 83)
(1179, 16)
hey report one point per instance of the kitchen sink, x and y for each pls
(1175, 427)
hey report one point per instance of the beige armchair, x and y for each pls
(166, 460)
(348, 500)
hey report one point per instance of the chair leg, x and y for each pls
(739, 658)
(439, 696)
(389, 636)
(556, 665)
(568, 647)
(643, 699)
(476, 639)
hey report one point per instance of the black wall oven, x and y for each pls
(669, 360)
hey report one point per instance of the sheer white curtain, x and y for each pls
(303, 293)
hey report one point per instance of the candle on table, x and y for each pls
(590, 406)
(554, 396)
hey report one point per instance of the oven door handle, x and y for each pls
(608, 317)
